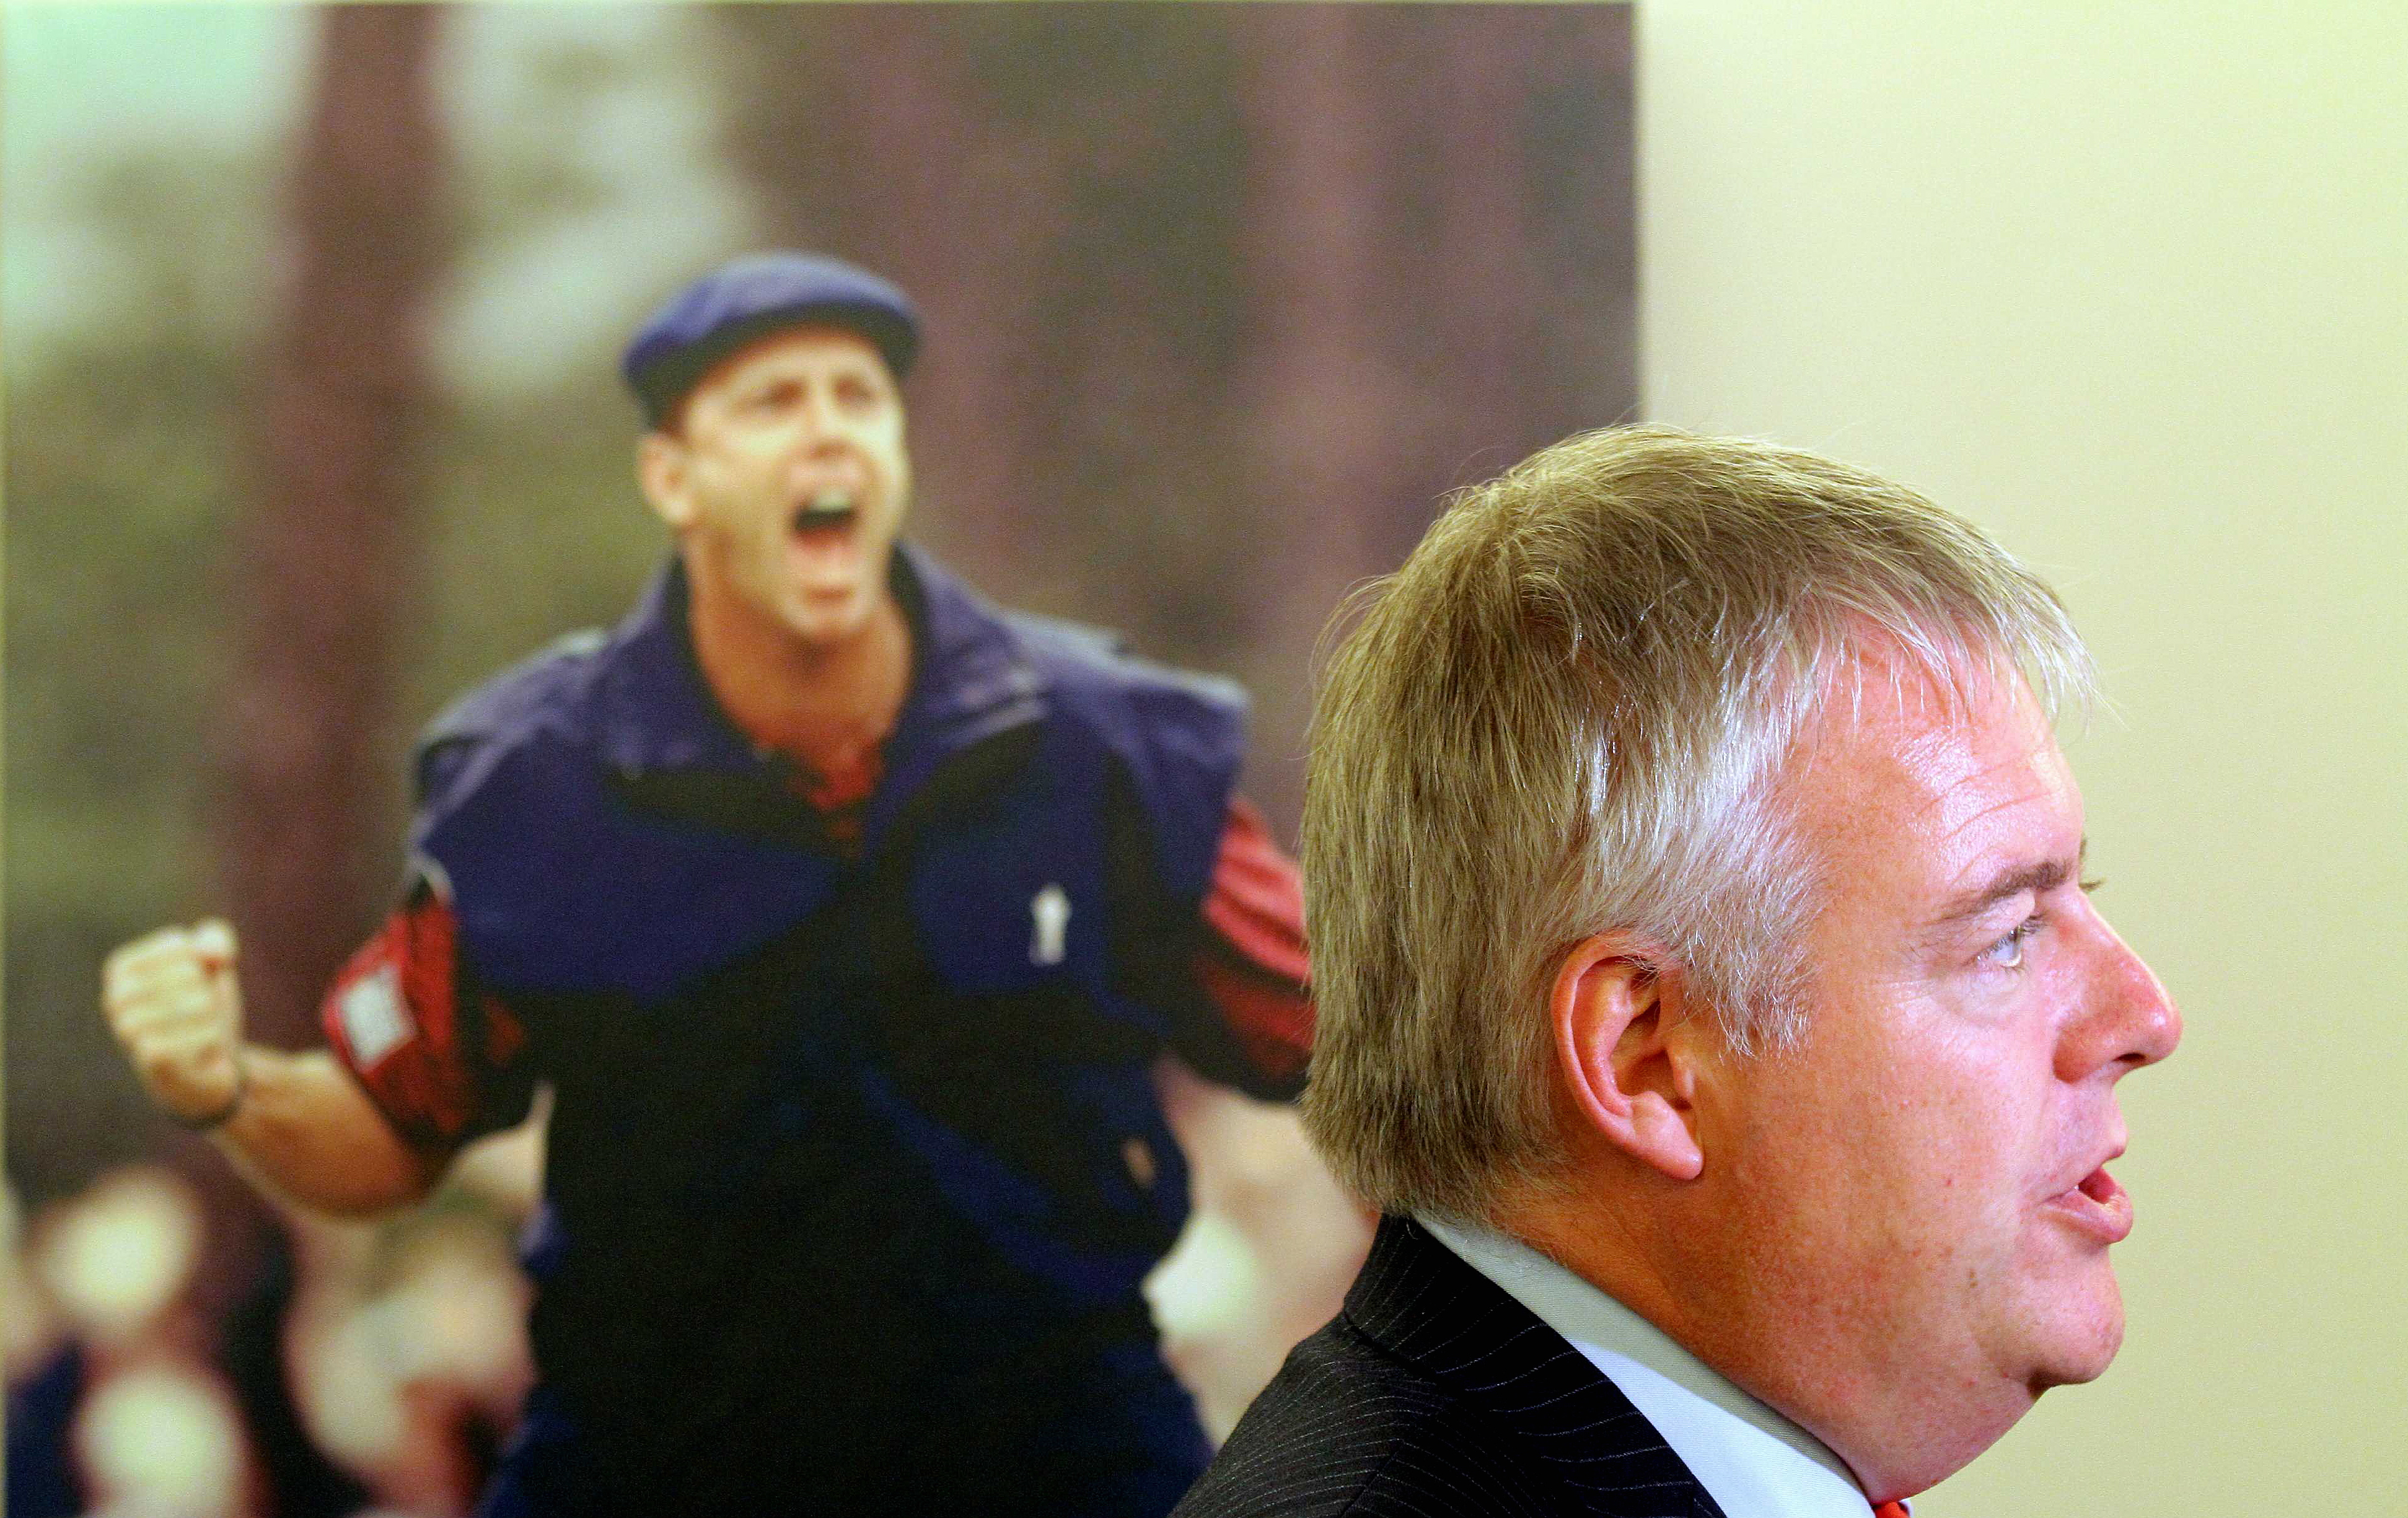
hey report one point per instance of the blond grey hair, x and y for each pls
(1567, 715)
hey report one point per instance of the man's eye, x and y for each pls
(2008, 953)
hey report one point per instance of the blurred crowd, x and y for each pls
(366, 1368)
(376, 1368)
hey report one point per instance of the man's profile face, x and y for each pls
(1923, 1204)
(786, 478)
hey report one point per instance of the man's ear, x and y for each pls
(1612, 1005)
(661, 465)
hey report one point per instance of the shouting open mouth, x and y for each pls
(827, 513)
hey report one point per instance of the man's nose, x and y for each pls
(818, 415)
(2129, 1020)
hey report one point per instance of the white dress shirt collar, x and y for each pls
(1756, 1463)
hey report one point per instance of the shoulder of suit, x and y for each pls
(1346, 1428)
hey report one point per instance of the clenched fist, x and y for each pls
(171, 1000)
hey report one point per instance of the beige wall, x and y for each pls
(2128, 283)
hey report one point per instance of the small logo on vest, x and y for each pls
(1048, 913)
(374, 1019)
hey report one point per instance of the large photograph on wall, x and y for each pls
(933, 1111)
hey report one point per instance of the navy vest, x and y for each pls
(836, 1128)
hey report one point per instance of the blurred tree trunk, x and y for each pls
(1441, 271)
(1459, 85)
(1583, 131)
(1512, 123)
(1328, 405)
(306, 778)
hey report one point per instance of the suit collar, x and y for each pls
(1419, 1302)
(1748, 1456)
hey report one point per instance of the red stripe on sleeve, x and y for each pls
(393, 1017)
(1253, 964)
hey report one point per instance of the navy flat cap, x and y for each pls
(751, 297)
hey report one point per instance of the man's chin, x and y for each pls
(2083, 1347)
(826, 618)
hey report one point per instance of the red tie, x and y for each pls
(1890, 1510)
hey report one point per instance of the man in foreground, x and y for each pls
(1710, 997)
(845, 919)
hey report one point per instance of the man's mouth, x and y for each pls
(2097, 1205)
(829, 512)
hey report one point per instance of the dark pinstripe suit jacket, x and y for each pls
(1434, 1392)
